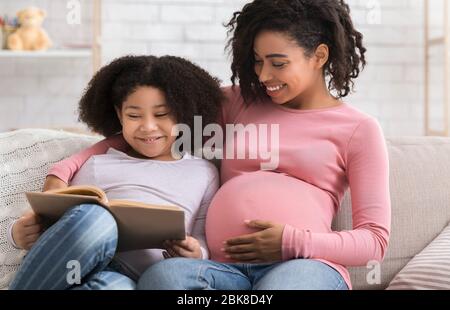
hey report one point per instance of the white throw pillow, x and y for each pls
(25, 157)
(428, 270)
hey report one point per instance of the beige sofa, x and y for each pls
(420, 197)
(420, 192)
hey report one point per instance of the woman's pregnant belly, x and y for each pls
(267, 196)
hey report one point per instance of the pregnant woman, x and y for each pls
(271, 229)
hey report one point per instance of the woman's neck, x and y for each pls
(315, 98)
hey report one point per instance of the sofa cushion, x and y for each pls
(430, 269)
(420, 200)
(25, 157)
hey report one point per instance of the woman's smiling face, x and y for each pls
(283, 67)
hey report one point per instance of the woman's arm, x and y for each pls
(67, 168)
(52, 182)
(368, 176)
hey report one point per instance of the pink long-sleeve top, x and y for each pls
(321, 153)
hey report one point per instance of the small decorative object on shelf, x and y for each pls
(2, 41)
(7, 26)
(29, 36)
(51, 53)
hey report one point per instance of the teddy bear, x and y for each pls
(30, 35)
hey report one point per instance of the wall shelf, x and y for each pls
(93, 52)
(51, 53)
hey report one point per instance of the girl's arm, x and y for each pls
(67, 168)
(59, 176)
(368, 176)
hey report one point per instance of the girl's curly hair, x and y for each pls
(310, 23)
(189, 90)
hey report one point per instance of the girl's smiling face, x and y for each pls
(283, 68)
(147, 123)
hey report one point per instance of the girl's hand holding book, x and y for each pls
(27, 230)
(189, 247)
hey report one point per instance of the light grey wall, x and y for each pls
(391, 87)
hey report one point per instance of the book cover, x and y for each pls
(140, 225)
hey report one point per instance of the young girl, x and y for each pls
(272, 229)
(143, 97)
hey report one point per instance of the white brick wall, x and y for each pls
(191, 29)
(391, 87)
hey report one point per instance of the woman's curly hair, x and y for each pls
(310, 23)
(189, 90)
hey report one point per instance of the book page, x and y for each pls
(53, 206)
(140, 225)
(84, 190)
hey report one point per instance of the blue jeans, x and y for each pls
(86, 235)
(193, 274)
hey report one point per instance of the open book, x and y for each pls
(141, 226)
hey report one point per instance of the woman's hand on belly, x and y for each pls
(259, 247)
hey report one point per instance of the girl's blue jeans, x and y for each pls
(82, 244)
(75, 253)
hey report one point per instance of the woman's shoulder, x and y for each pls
(233, 96)
(355, 119)
(231, 91)
(233, 105)
(365, 134)
(356, 114)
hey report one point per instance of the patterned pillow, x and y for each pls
(428, 270)
(25, 157)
